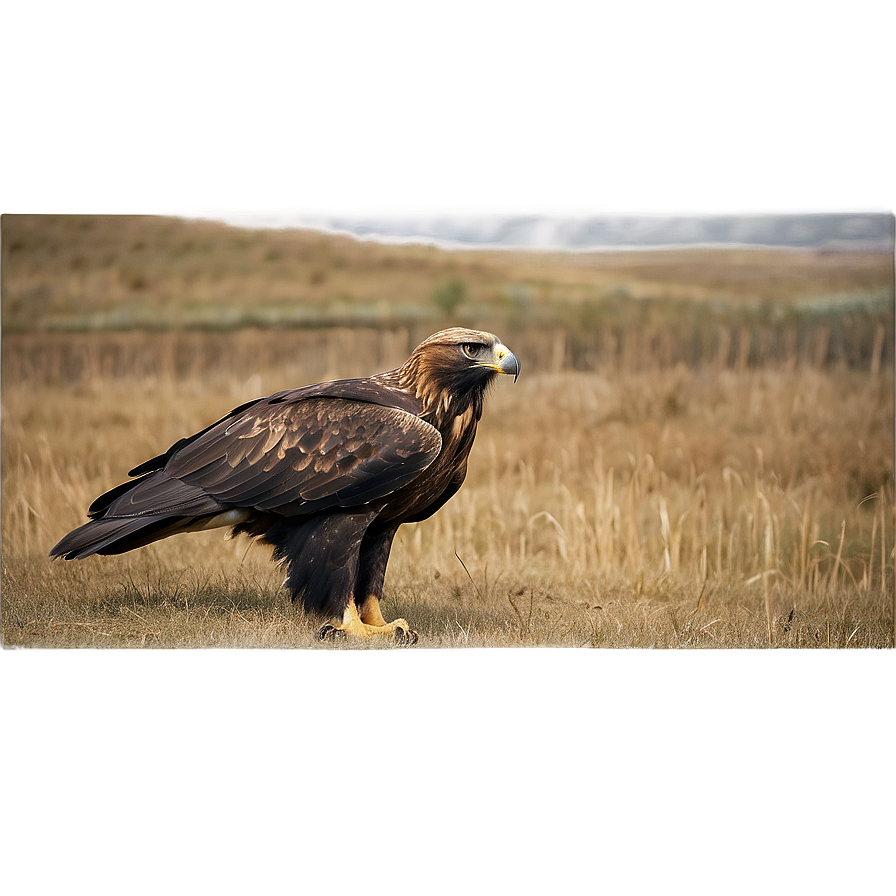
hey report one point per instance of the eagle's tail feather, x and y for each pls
(139, 512)
(115, 535)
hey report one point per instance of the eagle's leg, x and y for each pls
(367, 622)
(369, 611)
(364, 619)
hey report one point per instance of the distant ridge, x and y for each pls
(859, 231)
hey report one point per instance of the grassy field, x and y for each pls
(628, 491)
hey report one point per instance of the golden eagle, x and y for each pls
(325, 473)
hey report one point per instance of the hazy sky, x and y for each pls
(476, 108)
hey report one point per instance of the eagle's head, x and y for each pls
(452, 369)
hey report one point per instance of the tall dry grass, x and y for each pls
(721, 505)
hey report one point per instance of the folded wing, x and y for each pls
(287, 457)
(312, 455)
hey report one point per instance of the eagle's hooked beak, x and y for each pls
(507, 361)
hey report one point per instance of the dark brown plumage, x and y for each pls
(325, 473)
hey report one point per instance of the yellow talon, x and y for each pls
(367, 622)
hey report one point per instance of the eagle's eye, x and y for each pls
(471, 349)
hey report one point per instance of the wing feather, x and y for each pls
(307, 455)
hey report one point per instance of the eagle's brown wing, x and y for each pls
(290, 454)
(288, 457)
(304, 456)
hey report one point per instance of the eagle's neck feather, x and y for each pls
(441, 403)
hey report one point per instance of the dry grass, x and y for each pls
(699, 506)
